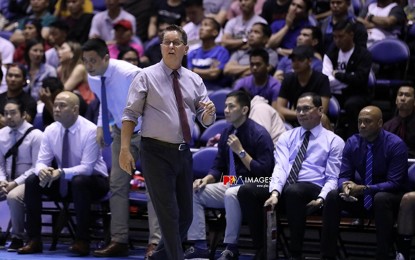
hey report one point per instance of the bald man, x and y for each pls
(372, 176)
(81, 175)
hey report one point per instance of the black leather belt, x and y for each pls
(179, 147)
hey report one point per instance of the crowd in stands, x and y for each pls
(280, 58)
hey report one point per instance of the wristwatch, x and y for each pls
(244, 40)
(322, 201)
(242, 154)
(370, 18)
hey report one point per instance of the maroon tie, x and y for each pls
(182, 113)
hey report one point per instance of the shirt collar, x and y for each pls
(314, 131)
(110, 69)
(73, 127)
(169, 71)
(22, 129)
(377, 139)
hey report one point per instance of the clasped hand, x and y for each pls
(351, 190)
(47, 176)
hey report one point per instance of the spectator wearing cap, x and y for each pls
(309, 35)
(123, 39)
(103, 22)
(303, 79)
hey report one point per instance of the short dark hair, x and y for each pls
(190, 3)
(52, 83)
(316, 99)
(242, 98)
(29, 45)
(266, 29)
(35, 22)
(216, 24)
(176, 28)
(21, 68)
(315, 32)
(348, 26)
(97, 45)
(125, 50)
(60, 24)
(20, 105)
(259, 52)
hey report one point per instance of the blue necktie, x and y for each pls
(295, 169)
(232, 170)
(105, 117)
(63, 187)
(368, 200)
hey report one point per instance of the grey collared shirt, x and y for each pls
(151, 96)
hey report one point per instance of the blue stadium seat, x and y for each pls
(212, 130)
(218, 97)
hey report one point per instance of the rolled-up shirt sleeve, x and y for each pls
(136, 98)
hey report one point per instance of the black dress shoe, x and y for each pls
(114, 249)
(15, 245)
(33, 247)
(80, 248)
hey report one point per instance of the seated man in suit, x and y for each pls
(379, 158)
(16, 167)
(307, 164)
(244, 150)
(71, 141)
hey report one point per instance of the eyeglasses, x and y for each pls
(304, 109)
(175, 43)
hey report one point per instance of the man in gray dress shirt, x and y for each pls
(165, 156)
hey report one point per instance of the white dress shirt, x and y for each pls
(27, 156)
(84, 152)
(118, 78)
(321, 164)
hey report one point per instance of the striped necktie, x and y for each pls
(295, 169)
(368, 199)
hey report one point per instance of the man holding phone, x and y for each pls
(373, 171)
